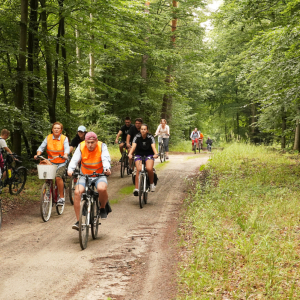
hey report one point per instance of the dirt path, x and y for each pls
(131, 259)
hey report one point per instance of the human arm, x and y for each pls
(118, 135)
(74, 161)
(41, 148)
(157, 130)
(154, 150)
(128, 141)
(132, 150)
(66, 148)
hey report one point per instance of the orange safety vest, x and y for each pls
(55, 148)
(91, 160)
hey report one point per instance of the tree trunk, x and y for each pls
(19, 97)
(167, 99)
(49, 69)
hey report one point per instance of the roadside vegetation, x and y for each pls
(240, 236)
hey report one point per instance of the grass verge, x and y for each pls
(241, 234)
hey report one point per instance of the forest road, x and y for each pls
(130, 259)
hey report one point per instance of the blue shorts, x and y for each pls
(96, 180)
(139, 157)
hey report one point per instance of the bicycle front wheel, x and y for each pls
(0, 213)
(72, 184)
(195, 148)
(123, 160)
(60, 208)
(199, 147)
(46, 202)
(18, 181)
(83, 224)
(141, 190)
(94, 219)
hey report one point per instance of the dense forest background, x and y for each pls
(96, 62)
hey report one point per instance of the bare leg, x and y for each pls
(138, 165)
(149, 167)
(103, 196)
(60, 185)
(79, 189)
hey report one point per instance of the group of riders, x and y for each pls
(197, 137)
(93, 157)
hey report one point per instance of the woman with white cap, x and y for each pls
(78, 138)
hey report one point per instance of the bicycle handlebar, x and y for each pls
(60, 156)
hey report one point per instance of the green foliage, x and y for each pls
(241, 227)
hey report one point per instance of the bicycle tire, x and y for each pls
(127, 164)
(161, 153)
(72, 189)
(141, 190)
(83, 224)
(122, 170)
(46, 202)
(0, 213)
(95, 219)
(199, 147)
(60, 208)
(145, 195)
(194, 148)
(18, 181)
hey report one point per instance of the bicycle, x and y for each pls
(144, 183)
(49, 193)
(72, 184)
(125, 163)
(15, 178)
(208, 147)
(89, 211)
(162, 153)
(196, 146)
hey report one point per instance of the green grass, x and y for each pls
(161, 166)
(127, 190)
(241, 229)
(114, 151)
(184, 146)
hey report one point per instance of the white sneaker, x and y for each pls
(152, 187)
(60, 201)
(135, 192)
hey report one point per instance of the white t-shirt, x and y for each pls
(162, 132)
(2, 143)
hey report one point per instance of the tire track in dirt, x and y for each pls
(44, 260)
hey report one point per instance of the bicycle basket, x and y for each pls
(46, 171)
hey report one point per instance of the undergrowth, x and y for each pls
(241, 235)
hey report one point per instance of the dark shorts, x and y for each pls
(139, 157)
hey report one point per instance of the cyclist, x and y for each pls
(144, 145)
(209, 143)
(201, 140)
(163, 132)
(57, 144)
(123, 131)
(4, 136)
(94, 157)
(133, 131)
(195, 135)
(78, 138)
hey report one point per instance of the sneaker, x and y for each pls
(167, 157)
(60, 201)
(76, 226)
(135, 192)
(152, 187)
(103, 213)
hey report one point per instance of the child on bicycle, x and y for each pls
(143, 144)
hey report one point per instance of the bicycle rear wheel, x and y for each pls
(72, 184)
(199, 147)
(83, 224)
(195, 148)
(18, 181)
(123, 160)
(46, 202)
(141, 190)
(95, 218)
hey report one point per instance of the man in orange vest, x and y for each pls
(57, 144)
(94, 157)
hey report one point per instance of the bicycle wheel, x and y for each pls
(161, 153)
(18, 181)
(0, 213)
(95, 218)
(199, 147)
(46, 202)
(83, 224)
(141, 190)
(127, 164)
(72, 184)
(145, 194)
(195, 148)
(123, 160)
(60, 208)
